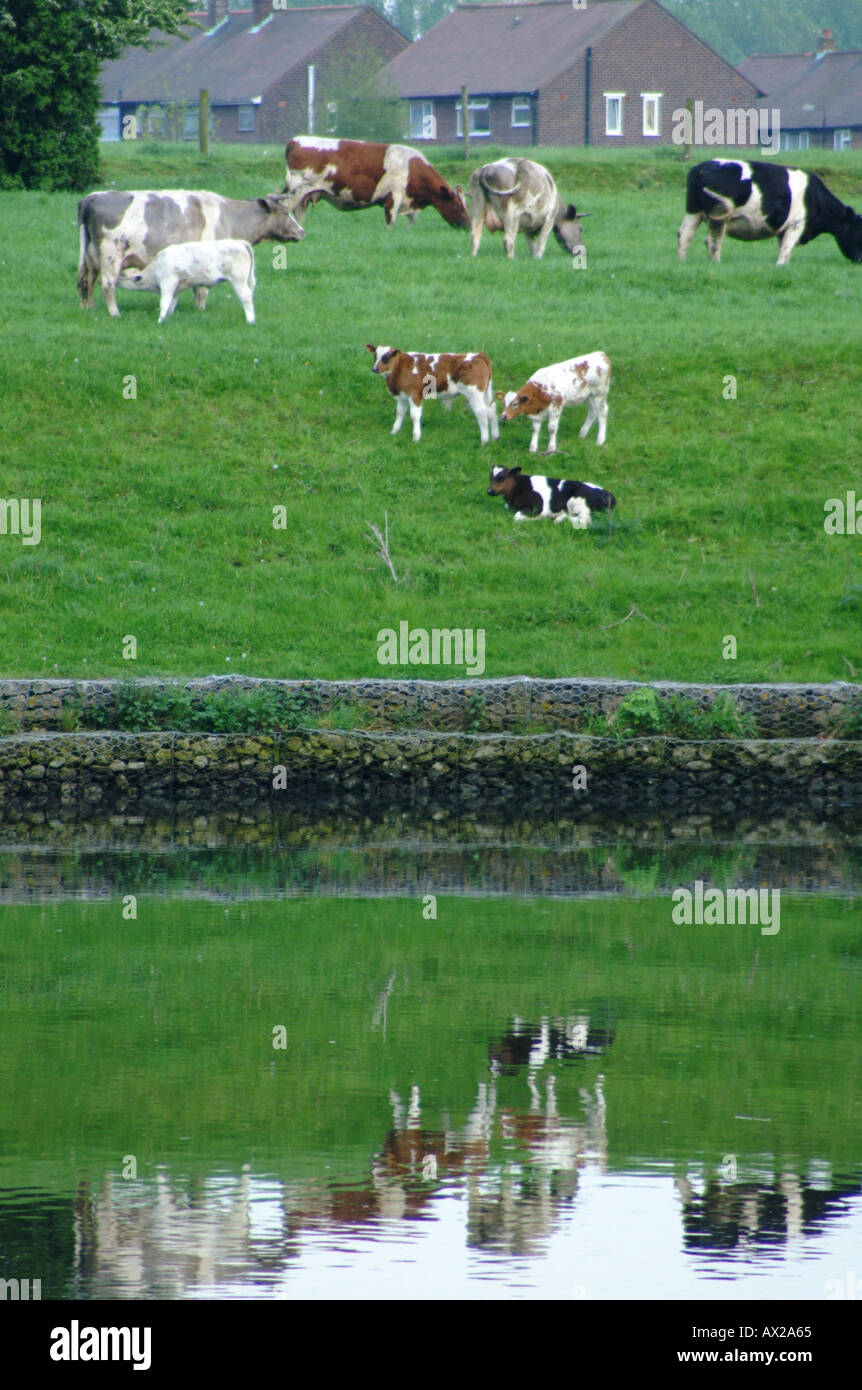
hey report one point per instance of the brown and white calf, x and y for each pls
(565, 383)
(515, 195)
(354, 174)
(415, 377)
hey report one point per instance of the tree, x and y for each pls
(50, 53)
(358, 102)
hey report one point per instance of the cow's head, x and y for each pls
(451, 205)
(848, 234)
(383, 357)
(567, 227)
(503, 482)
(278, 223)
(530, 400)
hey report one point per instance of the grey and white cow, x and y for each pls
(515, 195)
(121, 231)
(191, 264)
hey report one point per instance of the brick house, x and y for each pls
(560, 72)
(265, 69)
(818, 95)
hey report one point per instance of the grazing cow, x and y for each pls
(193, 263)
(519, 195)
(534, 495)
(414, 377)
(353, 174)
(565, 383)
(752, 201)
(123, 230)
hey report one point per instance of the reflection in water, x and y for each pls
(744, 1218)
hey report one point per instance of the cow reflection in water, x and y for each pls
(736, 1218)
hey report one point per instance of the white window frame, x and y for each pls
(243, 109)
(651, 100)
(423, 122)
(611, 97)
(519, 104)
(842, 139)
(191, 123)
(479, 105)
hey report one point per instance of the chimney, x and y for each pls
(217, 11)
(826, 43)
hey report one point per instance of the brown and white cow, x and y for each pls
(415, 377)
(579, 379)
(515, 195)
(121, 231)
(354, 174)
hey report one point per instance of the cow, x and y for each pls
(519, 195)
(194, 263)
(414, 377)
(121, 230)
(565, 383)
(752, 201)
(353, 174)
(534, 495)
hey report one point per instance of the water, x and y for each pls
(252, 1062)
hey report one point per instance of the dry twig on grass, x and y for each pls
(383, 542)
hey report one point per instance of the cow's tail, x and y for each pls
(84, 239)
(498, 192)
(729, 206)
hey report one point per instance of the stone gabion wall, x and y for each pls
(48, 776)
(778, 711)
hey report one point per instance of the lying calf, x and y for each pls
(191, 264)
(565, 383)
(531, 494)
(414, 377)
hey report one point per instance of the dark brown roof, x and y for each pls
(237, 61)
(509, 48)
(770, 70)
(822, 91)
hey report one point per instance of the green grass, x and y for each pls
(157, 512)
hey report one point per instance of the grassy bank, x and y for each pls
(157, 511)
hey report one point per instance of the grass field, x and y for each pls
(157, 511)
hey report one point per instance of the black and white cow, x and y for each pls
(534, 495)
(121, 231)
(752, 201)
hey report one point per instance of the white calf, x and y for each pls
(190, 264)
(580, 379)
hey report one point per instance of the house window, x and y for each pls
(841, 140)
(245, 117)
(423, 123)
(795, 139)
(190, 124)
(614, 113)
(651, 113)
(331, 117)
(479, 115)
(522, 112)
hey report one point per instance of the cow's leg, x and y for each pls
(476, 230)
(168, 300)
(553, 425)
(592, 415)
(788, 240)
(112, 259)
(714, 238)
(491, 407)
(416, 417)
(510, 232)
(201, 292)
(478, 208)
(603, 419)
(388, 213)
(243, 294)
(400, 411)
(687, 228)
(476, 402)
(536, 425)
(540, 241)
